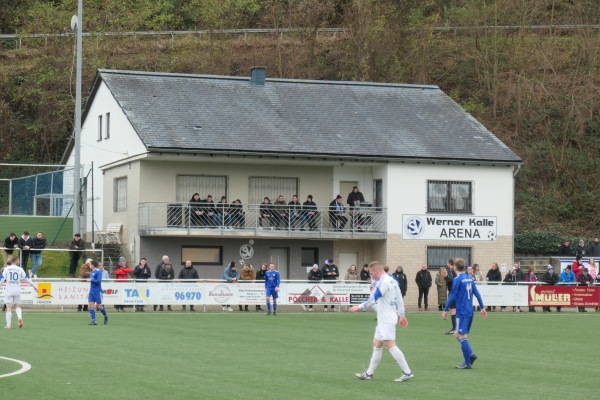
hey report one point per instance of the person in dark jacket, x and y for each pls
(551, 279)
(313, 275)
(196, 211)
(424, 281)
(38, 243)
(330, 272)
(188, 272)
(593, 250)
(166, 274)
(260, 277)
(354, 200)
(493, 275)
(77, 245)
(295, 212)
(267, 215)
(310, 214)
(223, 212)
(365, 276)
(450, 275)
(401, 278)
(238, 218)
(10, 243)
(565, 249)
(208, 206)
(25, 243)
(142, 273)
(584, 279)
(165, 261)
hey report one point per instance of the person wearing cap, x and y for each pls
(84, 273)
(336, 213)
(77, 245)
(585, 279)
(122, 275)
(550, 278)
(330, 273)
(313, 275)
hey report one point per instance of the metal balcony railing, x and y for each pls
(201, 219)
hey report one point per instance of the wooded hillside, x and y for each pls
(536, 87)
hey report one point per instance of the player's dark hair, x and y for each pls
(94, 263)
(451, 261)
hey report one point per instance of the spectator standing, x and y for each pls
(25, 243)
(336, 214)
(13, 274)
(238, 218)
(122, 275)
(424, 281)
(477, 275)
(314, 275)
(38, 243)
(585, 279)
(161, 265)
(519, 277)
(352, 274)
(509, 279)
(551, 279)
(364, 273)
(577, 267)
(330, 273)
(105, 274)
(76, 245)
(593, 250)
(272, 282)
(451, 271)
(84, 274)
(188, 272)
(463, 290)
(309, 213)
(440, 282)
(260, 276)
(531, 278)
(196, 211)
(10, 244)
(591, 266)
(247, 274)
(231, 275)
(354, 200)
(142, 273)
(295, 212)
(580, 249)
(565, 249)
(400, 277)
(267, 215)
(166, 274)
(493, 276)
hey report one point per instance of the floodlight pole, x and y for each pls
(77, 147)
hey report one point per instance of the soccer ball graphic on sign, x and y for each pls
(491, 235)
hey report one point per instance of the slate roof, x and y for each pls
(220, 114)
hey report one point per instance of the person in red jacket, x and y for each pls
(577, 267)
(122, 275)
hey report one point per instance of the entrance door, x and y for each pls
(345, 261)
(279, 257)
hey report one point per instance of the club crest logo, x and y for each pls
(415, 227)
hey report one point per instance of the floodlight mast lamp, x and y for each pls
(77, 146)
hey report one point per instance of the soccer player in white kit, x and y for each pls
(13, 274)
(390, 311)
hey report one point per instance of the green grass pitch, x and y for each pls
(295, 356)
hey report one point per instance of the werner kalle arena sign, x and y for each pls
(448, 227)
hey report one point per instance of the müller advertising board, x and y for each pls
(448, 227)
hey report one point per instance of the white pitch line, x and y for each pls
(25, 366)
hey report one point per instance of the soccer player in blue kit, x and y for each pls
(95, 295)
(463, 290)
(272, 282)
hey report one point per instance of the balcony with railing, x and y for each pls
(184, 219)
